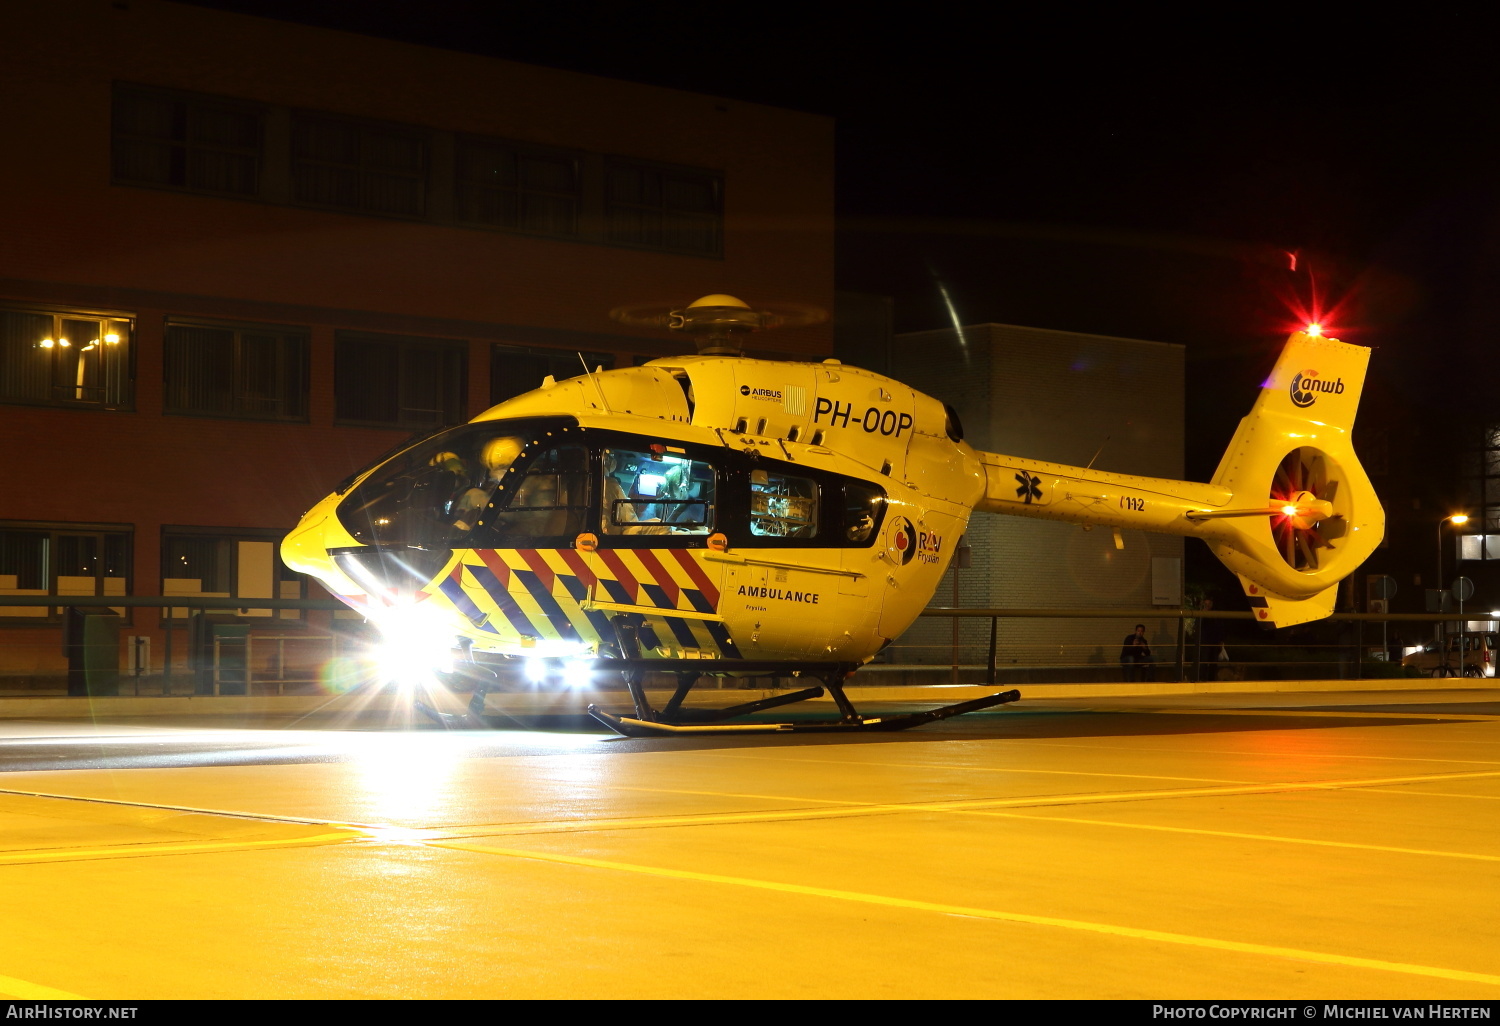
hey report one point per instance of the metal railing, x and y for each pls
(1339, 646)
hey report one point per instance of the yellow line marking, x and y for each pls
(1131, 932)
(20, 990)
(855, 810)
(1235, 834)
(1137, 749)
(1312, 713)
(154, 848)
(952, 767)
(1434, 794)
(227, 813)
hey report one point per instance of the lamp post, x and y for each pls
(1456, 518)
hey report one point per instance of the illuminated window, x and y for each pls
(213, 563)
(60, 560)
(373, 169)
(679, 210)
(656, 493)
(237, 372)
(518, 369)
(520, 188)
(782, 506)
(399, 382)
(67, 359)
(1478, 546)
(186, 141)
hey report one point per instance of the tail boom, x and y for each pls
(1290, 510)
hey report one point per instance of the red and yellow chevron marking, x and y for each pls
(528, 595)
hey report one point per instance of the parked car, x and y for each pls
(1479, 653)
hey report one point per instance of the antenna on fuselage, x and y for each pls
(597, 387)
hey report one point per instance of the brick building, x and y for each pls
(243, 257)
(1069, 398)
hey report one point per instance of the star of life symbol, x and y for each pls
(1030, 487)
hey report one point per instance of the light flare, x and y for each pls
(416, 644)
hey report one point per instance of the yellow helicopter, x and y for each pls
(712, 513)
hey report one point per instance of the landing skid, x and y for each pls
(675, 719)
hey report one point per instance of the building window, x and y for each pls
(71, 359)
(519, 188)
(679, 210)
(393, 381)
(210, 563)
(515, 370)
(1478, 546)
(61, 560)
(373, 169)
(182, 141)
(236, 372)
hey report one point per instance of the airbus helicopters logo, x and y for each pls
(1306, 386)
(768, 394)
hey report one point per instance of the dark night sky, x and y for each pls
(1123, 174)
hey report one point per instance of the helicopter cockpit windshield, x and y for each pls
(446, 491)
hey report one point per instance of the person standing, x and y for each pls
(1135, 655)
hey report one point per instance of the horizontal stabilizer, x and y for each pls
(1279, 611)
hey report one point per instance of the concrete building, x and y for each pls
(1070, 398)
(239, 258)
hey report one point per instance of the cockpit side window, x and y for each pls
(550, 500)
(444, 492)
(863, 505)
(783, 506)
(655, 493)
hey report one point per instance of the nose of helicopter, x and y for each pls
(305, 549)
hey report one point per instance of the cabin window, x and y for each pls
(862, 506)
(782, 506)
(549, 501)
(656, 493)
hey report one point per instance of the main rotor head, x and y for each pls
(718, 323)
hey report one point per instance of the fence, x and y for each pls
(209, 646)
(1008, 646)
(203, 645)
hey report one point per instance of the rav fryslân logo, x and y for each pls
(1306, 385)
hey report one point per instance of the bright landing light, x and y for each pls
(416, 642)
(1314, 329)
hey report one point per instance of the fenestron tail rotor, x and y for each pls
(1304, 488)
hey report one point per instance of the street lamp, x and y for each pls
(1456, 518)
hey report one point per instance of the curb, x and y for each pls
(576, 703)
